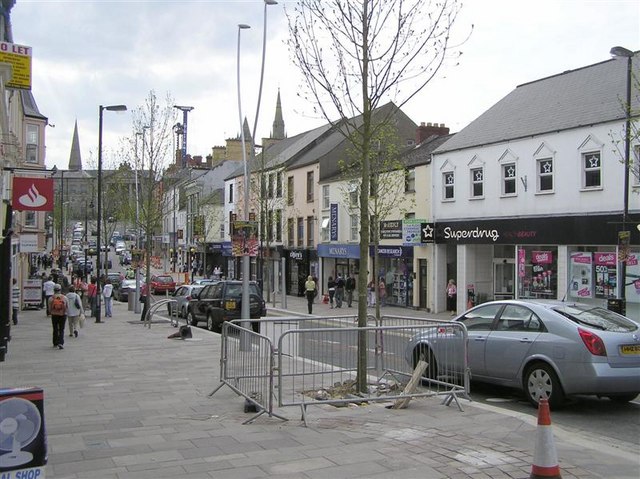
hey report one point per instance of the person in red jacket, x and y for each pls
(144, 299)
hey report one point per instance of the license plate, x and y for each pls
(230, 305)
(630, 349)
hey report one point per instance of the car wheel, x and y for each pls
(540, 380)
(623, 398)
(424, 353)
(191, 319)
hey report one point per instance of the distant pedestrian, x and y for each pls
(92, 294)
(339, 290)
(107, 294)
(144, 299)
(452, 297)
(310, 292)
(74, 311)
(48, 288)
(15, 301)
(371, 293)
(382, 292)
(331, 286)
(58, 307)
(350, 286)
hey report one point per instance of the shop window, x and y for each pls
(410, 180)
(509, 179)
(591, 170)
(537, 272)
(325, 229)
(545, 175)
(477, 183)
(448, 184)
(326, 190)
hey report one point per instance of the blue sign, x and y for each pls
(333, 225)
(339, 251)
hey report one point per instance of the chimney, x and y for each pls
(430, 129)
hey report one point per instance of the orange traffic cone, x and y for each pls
(545, 459)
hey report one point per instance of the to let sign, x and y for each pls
(19, 57)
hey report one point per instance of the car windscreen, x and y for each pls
(596, 317)
(164, 279)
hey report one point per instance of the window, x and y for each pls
(481, 319)
(290, 190)
(278, 185)
(591, 170)
(310, 186)
(270, 186)
(410, 180)
(518, 319)
(353, 228)
(545, 175)
(410, 216)
(230, 193)
(477, 183)
(448, 183)
(221, 231)
(278, 220)
(32, 144)
(300, 232)
(509, 179)
(353, 195)
(30, 219)
(325, 196)
(290, 232)
(325, 229)
(269, 225)
(310, 232)
(635, 166)
(232, 218)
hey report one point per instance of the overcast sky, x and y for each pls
(89, 53)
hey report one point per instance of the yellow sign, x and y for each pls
(19, 57)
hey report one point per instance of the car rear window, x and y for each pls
(596, 317)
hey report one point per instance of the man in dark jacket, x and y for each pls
(350, 286)
(339, 290)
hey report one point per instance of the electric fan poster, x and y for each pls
(23, 440)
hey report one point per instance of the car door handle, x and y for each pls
(479, 338)
(526, 340)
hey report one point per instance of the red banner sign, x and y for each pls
(32, 194)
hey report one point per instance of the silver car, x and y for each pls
(183, 295)
(546, 349)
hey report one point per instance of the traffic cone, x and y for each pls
(545, 458)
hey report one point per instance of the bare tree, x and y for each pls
(356, 55)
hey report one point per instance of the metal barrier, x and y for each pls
(317, 360)
(154, 307)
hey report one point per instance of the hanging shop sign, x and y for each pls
(391, 229)
(333, 226)
(32, 194)
(411, 235)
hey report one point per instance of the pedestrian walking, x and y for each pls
(58, 306)
(331, 286)
(74, 311)
(48, 288)
(349, 287)
(144, 299)
(310, 292)
(107, 294)
(339, 290)
(382, 292)
(452, 296)
(92, 294)
(371, 293)
(15, 301)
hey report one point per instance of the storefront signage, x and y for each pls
(339, 251)
(28, 243)
(19, 57)
(392, 251)
(333, 228)
(605, 275)
(32, 194)
(427, 232)
(580, 283)
(411, 232)
(391, 229)
(594, 230)
(296, 255)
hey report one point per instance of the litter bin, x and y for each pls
(131, 300)
(617, 306)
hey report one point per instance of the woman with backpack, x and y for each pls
(58, 307)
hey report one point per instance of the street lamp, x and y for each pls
(136, 302)
(621, 52)
(60, 235)
(100, 112)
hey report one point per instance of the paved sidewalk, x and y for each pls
(123, 401)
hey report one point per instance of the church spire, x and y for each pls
(277, 133)
(75, 161)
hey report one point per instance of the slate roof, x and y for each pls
(573, 99)
(421, 154)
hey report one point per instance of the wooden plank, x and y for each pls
(402, 403)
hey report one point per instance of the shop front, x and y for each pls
(395, 267)
(299, 264)
(337, 259)
(574, 257)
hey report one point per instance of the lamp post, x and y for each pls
(136, 301)
(621, 52)
(100, 112)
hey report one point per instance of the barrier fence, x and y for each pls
(310, 361)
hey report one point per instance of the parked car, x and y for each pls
(120, 247)
(162, 283)
(203, 281)
(93, 247)
(81, 267)
(183, 295)
(121, 293)
(222, 301)
(546, 349)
